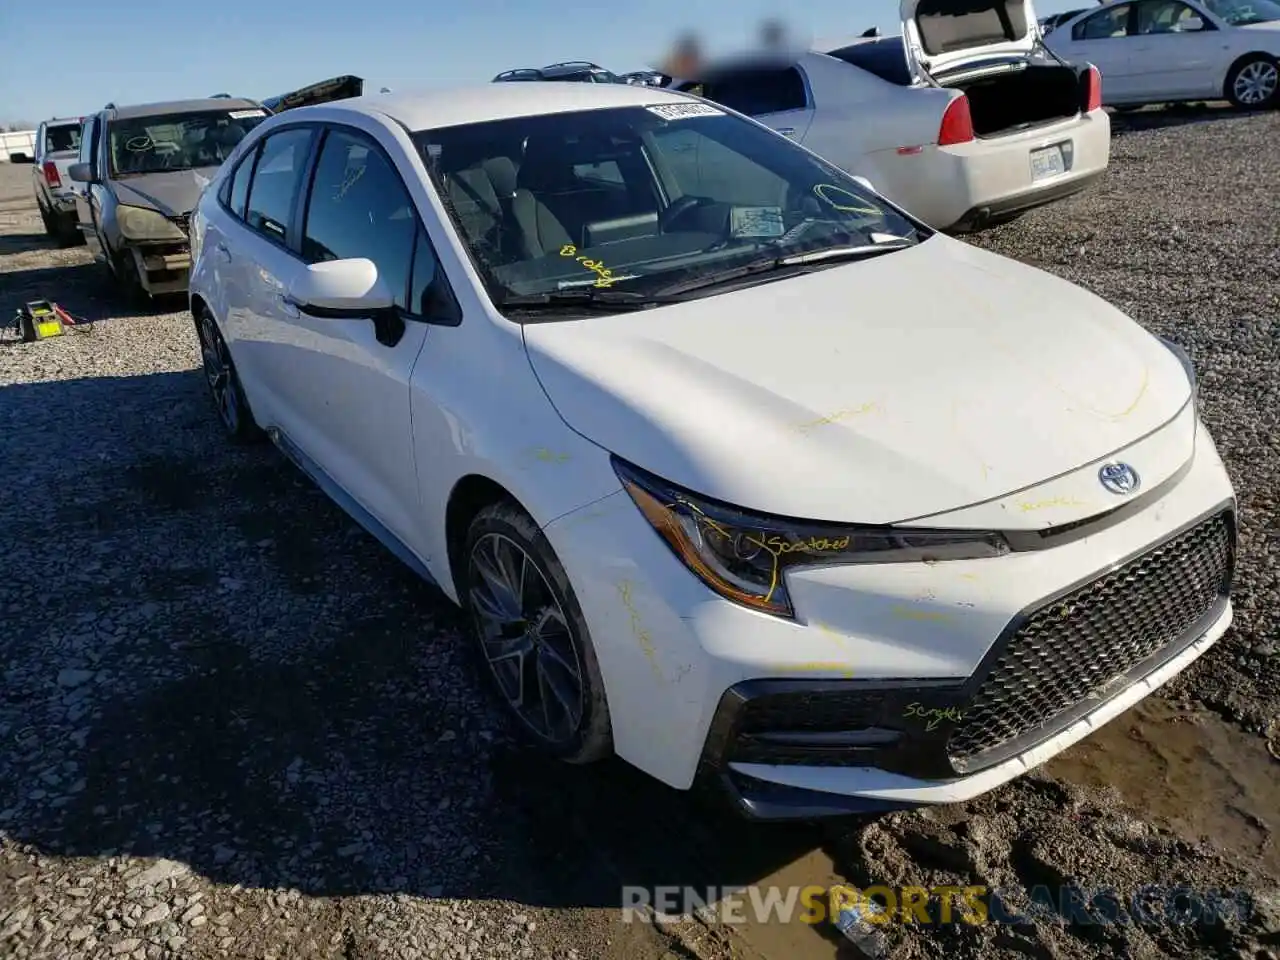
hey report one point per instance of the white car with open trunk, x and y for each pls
(966, 119)
(736, 469)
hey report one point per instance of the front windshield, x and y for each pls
(1241, 13)
(640, 199)
(178, 141)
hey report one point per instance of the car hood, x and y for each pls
(1271, 28)
(882, 391)
(173, 193)
(944, 35)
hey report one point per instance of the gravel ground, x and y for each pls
(233, 726)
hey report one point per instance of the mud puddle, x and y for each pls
(1203, 777)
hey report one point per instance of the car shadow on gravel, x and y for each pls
(207, 661)
(11, 243)
(1174, 115)
(83, 289)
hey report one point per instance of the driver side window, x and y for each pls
(1167, 16)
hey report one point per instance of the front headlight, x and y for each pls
(139, 223)
(1185, 359)
(742, 556)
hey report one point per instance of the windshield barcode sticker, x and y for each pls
(246, 114)
(683, 111)
(756, 222)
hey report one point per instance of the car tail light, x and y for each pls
(957, 123)
(51, 174)
(1092, 90)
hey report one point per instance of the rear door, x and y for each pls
(1176, 51)
(1102, 39)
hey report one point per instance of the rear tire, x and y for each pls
(530, 634)
(1254, 83)
(224, 383)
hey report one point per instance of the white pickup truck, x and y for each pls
(57, 148)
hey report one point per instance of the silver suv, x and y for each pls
(143, 168)
(57, 147)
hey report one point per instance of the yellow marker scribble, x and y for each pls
(1030, 506)
(871, 407)
(638, 629)
(546, 456)
(348, 181)
(933, 716)
(606, 277)
(823, 191)
(936, 616)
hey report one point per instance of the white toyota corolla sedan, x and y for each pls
(736, 469)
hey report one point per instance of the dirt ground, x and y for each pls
(233, 726)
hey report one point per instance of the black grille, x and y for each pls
(1076, 646)
(183, 221)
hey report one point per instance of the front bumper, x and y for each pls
(886, 663)
(163, 268)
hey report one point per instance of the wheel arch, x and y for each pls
(470, 494)
(1241, 61)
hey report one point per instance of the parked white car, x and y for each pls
(1160, 51)
(962, 124)
(735, 468)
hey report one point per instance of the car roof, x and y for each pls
(64, 122)
(496, 101)
(181, 106)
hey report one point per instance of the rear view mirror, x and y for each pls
(864, 182)
(80, 172)
(338, 289)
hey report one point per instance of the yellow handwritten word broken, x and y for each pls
(1028, 506)
(933, 716)
(866, 408)
(906, 613)
(605, 275)
(546, 456)
(638, 629)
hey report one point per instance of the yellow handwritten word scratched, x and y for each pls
(933, 716)
(779, 547)
(606, 277)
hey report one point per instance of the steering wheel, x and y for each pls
(677, 210)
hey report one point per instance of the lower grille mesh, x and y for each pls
(1075, 646)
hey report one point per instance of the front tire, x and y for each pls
(1254, 84)
(530, 633)
(224, 383)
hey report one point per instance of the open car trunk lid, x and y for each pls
(945, 35)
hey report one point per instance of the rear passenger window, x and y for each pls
(281, 159)
(887, 59)
(239, 191)
(757, 92)
(359, 207)
(1109, 24)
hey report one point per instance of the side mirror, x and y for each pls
(864, 182)
(341, 289)
(1191, 25)
(80, 172)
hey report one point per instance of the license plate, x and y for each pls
(1047, 162)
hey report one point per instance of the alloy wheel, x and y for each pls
(219, 373)
(525, 638)
(1256, 83)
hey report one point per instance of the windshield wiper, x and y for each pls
(846, 253)
(588, 298)
(775, 264)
